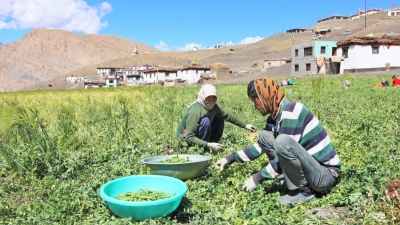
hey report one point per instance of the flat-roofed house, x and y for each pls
(192, 73)
(395, 12)
(159, 74)
(334, 18)
(112, 81)
(361, 54)
(268, 63)
(94, 84)
(315, 57)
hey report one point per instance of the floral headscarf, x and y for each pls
(270, 94)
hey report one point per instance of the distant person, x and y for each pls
(395, 81)
(203, 123)
(289, 81)
(384, 82)
(297, 146)
(346, 84)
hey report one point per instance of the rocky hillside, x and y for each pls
(46, 57)
(44, 54)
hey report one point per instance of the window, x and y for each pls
(323, 49)
(308, 51)
(197, 72)
(375, 49)
(186, 72)
(308, 66)
(166, 74)
(100, 85)
(296, 52)
(111, 81)
(137, 78)
(296, 68)
(345, 52)
(269, 64)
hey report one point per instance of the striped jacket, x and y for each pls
(296, 120)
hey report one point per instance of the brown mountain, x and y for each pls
(44, 54)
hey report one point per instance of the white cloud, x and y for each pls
(70, 15)
(162, 46)
(230, 43)
(250, 40)
(189, 47)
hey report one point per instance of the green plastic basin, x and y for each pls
(143, 210)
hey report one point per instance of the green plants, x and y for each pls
(59, 147)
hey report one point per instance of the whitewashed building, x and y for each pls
(74, 79)
(107, 71)
(188, 74)
(191, 73)
(394, 12)
(268, 63)
(112, 81)
(361, 54)
(159, 73)
(94, 84)
(135, 75)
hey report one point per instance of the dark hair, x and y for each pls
(393, 77)
(251, 90)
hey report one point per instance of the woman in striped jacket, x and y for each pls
(295, 142)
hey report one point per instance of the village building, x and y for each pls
(192, 73)
(322, 31)
(106, 70)
(362, 54)
(297, 30)
(186, 75)
(94, 84)
(363, 13)
(268, 63)
(74, 79)
(134, 76)
(315, 57)
(159, 74)
(112, 81)
(394, 12)
(333, 18)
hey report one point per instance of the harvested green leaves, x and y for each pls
(144, 195)
(175, 159)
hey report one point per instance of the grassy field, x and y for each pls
(59, 147)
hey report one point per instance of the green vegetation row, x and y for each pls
(59, 147)
(144, 195)
(176, 159)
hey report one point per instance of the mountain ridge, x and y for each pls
(43, 54)
(83, 55)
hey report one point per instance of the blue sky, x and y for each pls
(171, 25)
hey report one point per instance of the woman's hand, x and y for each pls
(215, 146)
(250, 127)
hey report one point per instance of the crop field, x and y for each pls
(57, 148)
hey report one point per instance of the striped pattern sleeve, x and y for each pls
(299, 123)
(272, 170)
(249, 154)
